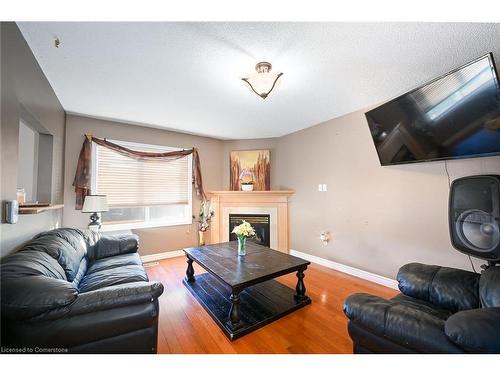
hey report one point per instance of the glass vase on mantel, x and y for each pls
(242, 245)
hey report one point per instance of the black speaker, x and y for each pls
(474, 216)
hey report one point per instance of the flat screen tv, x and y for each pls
(453, 116)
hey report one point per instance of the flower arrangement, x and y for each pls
(243, 231)
(246, 180)
(246, 177)
(206, 214)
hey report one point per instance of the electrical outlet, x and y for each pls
(320, 187)
(324, 187)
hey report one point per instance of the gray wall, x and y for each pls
(153, 240)
(26, 93)
(380, 217)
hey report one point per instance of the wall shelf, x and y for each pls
(37, 210)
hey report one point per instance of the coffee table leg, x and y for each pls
(300, 289)
(190, 271)
(234, 312)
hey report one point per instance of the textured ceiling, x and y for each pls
(186, 76)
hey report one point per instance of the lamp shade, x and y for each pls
(263, 81)
(95, 203)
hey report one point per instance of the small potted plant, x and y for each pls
(243, 231)
(206, 214)
(246, 180)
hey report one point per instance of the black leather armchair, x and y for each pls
(72, 291)
(439, 310)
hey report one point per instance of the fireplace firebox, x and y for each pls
(259, 221)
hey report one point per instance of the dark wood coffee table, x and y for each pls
(239, 291)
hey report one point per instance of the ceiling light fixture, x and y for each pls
(262, 82)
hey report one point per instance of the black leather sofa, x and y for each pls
(439, 310)
(73, 291)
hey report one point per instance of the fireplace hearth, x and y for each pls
(260, 222)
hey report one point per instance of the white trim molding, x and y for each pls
(274, 203)
(158, 256)
(382, 280)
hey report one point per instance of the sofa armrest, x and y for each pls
(475, 330)
(448, 288)
(28, 296)
(111, 245)
(116, 296)
(367, 310)
(416, 329)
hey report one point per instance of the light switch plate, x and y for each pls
(324, 187)
(320, 187)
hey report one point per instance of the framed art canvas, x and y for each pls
(250, 168)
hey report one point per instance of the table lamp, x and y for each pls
(95, 204)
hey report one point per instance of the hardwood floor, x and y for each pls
(185, 327)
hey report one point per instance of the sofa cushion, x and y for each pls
(489, 287)
(402, 320)
(33, 281)
(108, 276)
(67, 246)
(475, 330)
(75, 237)
(82, 271)
(112, 245)
(92, 238)
(449, 288)
(132, 259)
(31, 263)
(423, 306)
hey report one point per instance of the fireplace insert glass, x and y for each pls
(259, 221)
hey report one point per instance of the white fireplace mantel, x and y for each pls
(273, 203)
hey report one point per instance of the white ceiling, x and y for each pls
(186, 76)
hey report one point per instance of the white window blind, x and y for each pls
(128, 182)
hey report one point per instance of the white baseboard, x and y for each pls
(159, 256)
(382, 280)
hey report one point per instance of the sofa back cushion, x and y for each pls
(112, 245)
(448, 288)
(92, 239)
(489, 287)
(44, 274)
(28, 262)
(33, 282)
(66, 245)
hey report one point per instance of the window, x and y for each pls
(142, 193)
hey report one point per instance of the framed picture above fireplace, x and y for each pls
(251, 167)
